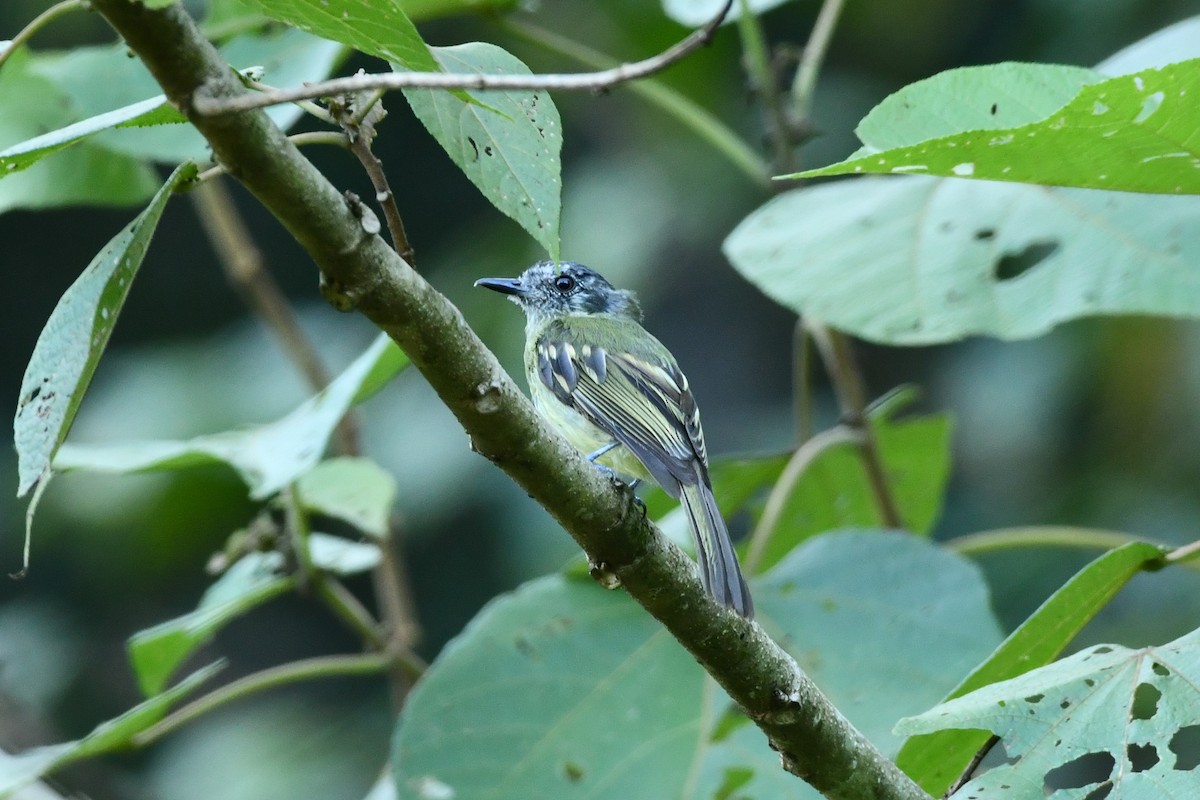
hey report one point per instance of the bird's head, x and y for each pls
(548, 290)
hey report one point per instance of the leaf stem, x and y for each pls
(805, 83)
(838, 354)
(40, 21)
(797, 465)
(294, 672)
(298, 139)
(757, 61)
(1002, 539)
(687, 112)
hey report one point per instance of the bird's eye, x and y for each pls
(564, 283)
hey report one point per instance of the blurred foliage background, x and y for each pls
(1093, 425)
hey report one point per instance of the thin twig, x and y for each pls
(698, 119)
(347, 608)
(799, 463)
(243, 265)
(972, 766)
(319, 667)
(298, 139)
(801, 381)
(209, 105)
(757, 61)
(359, 127)
(805, 82)
(838, 355)
(40, 21)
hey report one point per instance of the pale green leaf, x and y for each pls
(1131, 713)
(1136, 133)
(564, 690)
(918, 260)
(267, 457)
(695, 13)
(355, 490)
(156, 652)
(17, 771)
(70, 345)
(506, 142)
(342, 556)
(935, 760)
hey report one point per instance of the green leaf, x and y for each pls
(342, 556)
(355, 490)
(17, 771)
(377, 27)
(156, 652)
(918, 260)
(98, 79)
(1131, 133)
(1128, 714)
(564, 690)
(83, 174)
(506, 142)
(267, 457)
(936, 760)
(695, 13)
(70, 345)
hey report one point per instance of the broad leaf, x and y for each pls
(695, 13)
(156, 652)
(935, 760)
(919, 260)
(69, 347)
(267, 457)
(379, 28)
(83, 174)
(1107, 719)
(1133, 133)
(98, 79)
(17, 771)
(341, 556)
(564, 690)
(506, 142)
(355, 490)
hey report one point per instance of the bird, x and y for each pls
(617, 395)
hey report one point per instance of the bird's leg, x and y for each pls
(606, 448)
(612, 475)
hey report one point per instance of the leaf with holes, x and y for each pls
(563, 690)
(267, 457)
(1134, 133)
(1105, 720)
(69, 347)
(506, 142)
(935, 760)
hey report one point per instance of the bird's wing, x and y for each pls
(641, 400)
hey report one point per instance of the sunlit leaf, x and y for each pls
(934, 760)
(267, 457)
(1128, 715)
(1133, 133)
(342, 556)
(70, 345)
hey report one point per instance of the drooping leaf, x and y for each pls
(1127, 717)
(70, 345)
(564, 690)
(935, 760)
(18, 771)
(267, 457)
(506, 142)
(156, 652)
(341, 556)
(355, 490)
(379, 28)
(1133, 133)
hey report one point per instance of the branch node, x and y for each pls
(603, 574)
(337, 295)
(487, 396)
(363, 213)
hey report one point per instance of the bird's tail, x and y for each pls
(719, 570)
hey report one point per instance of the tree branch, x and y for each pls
(361, 272)
(214, 104)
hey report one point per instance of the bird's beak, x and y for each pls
(512, 286)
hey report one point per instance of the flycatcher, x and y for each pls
(616, 393)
